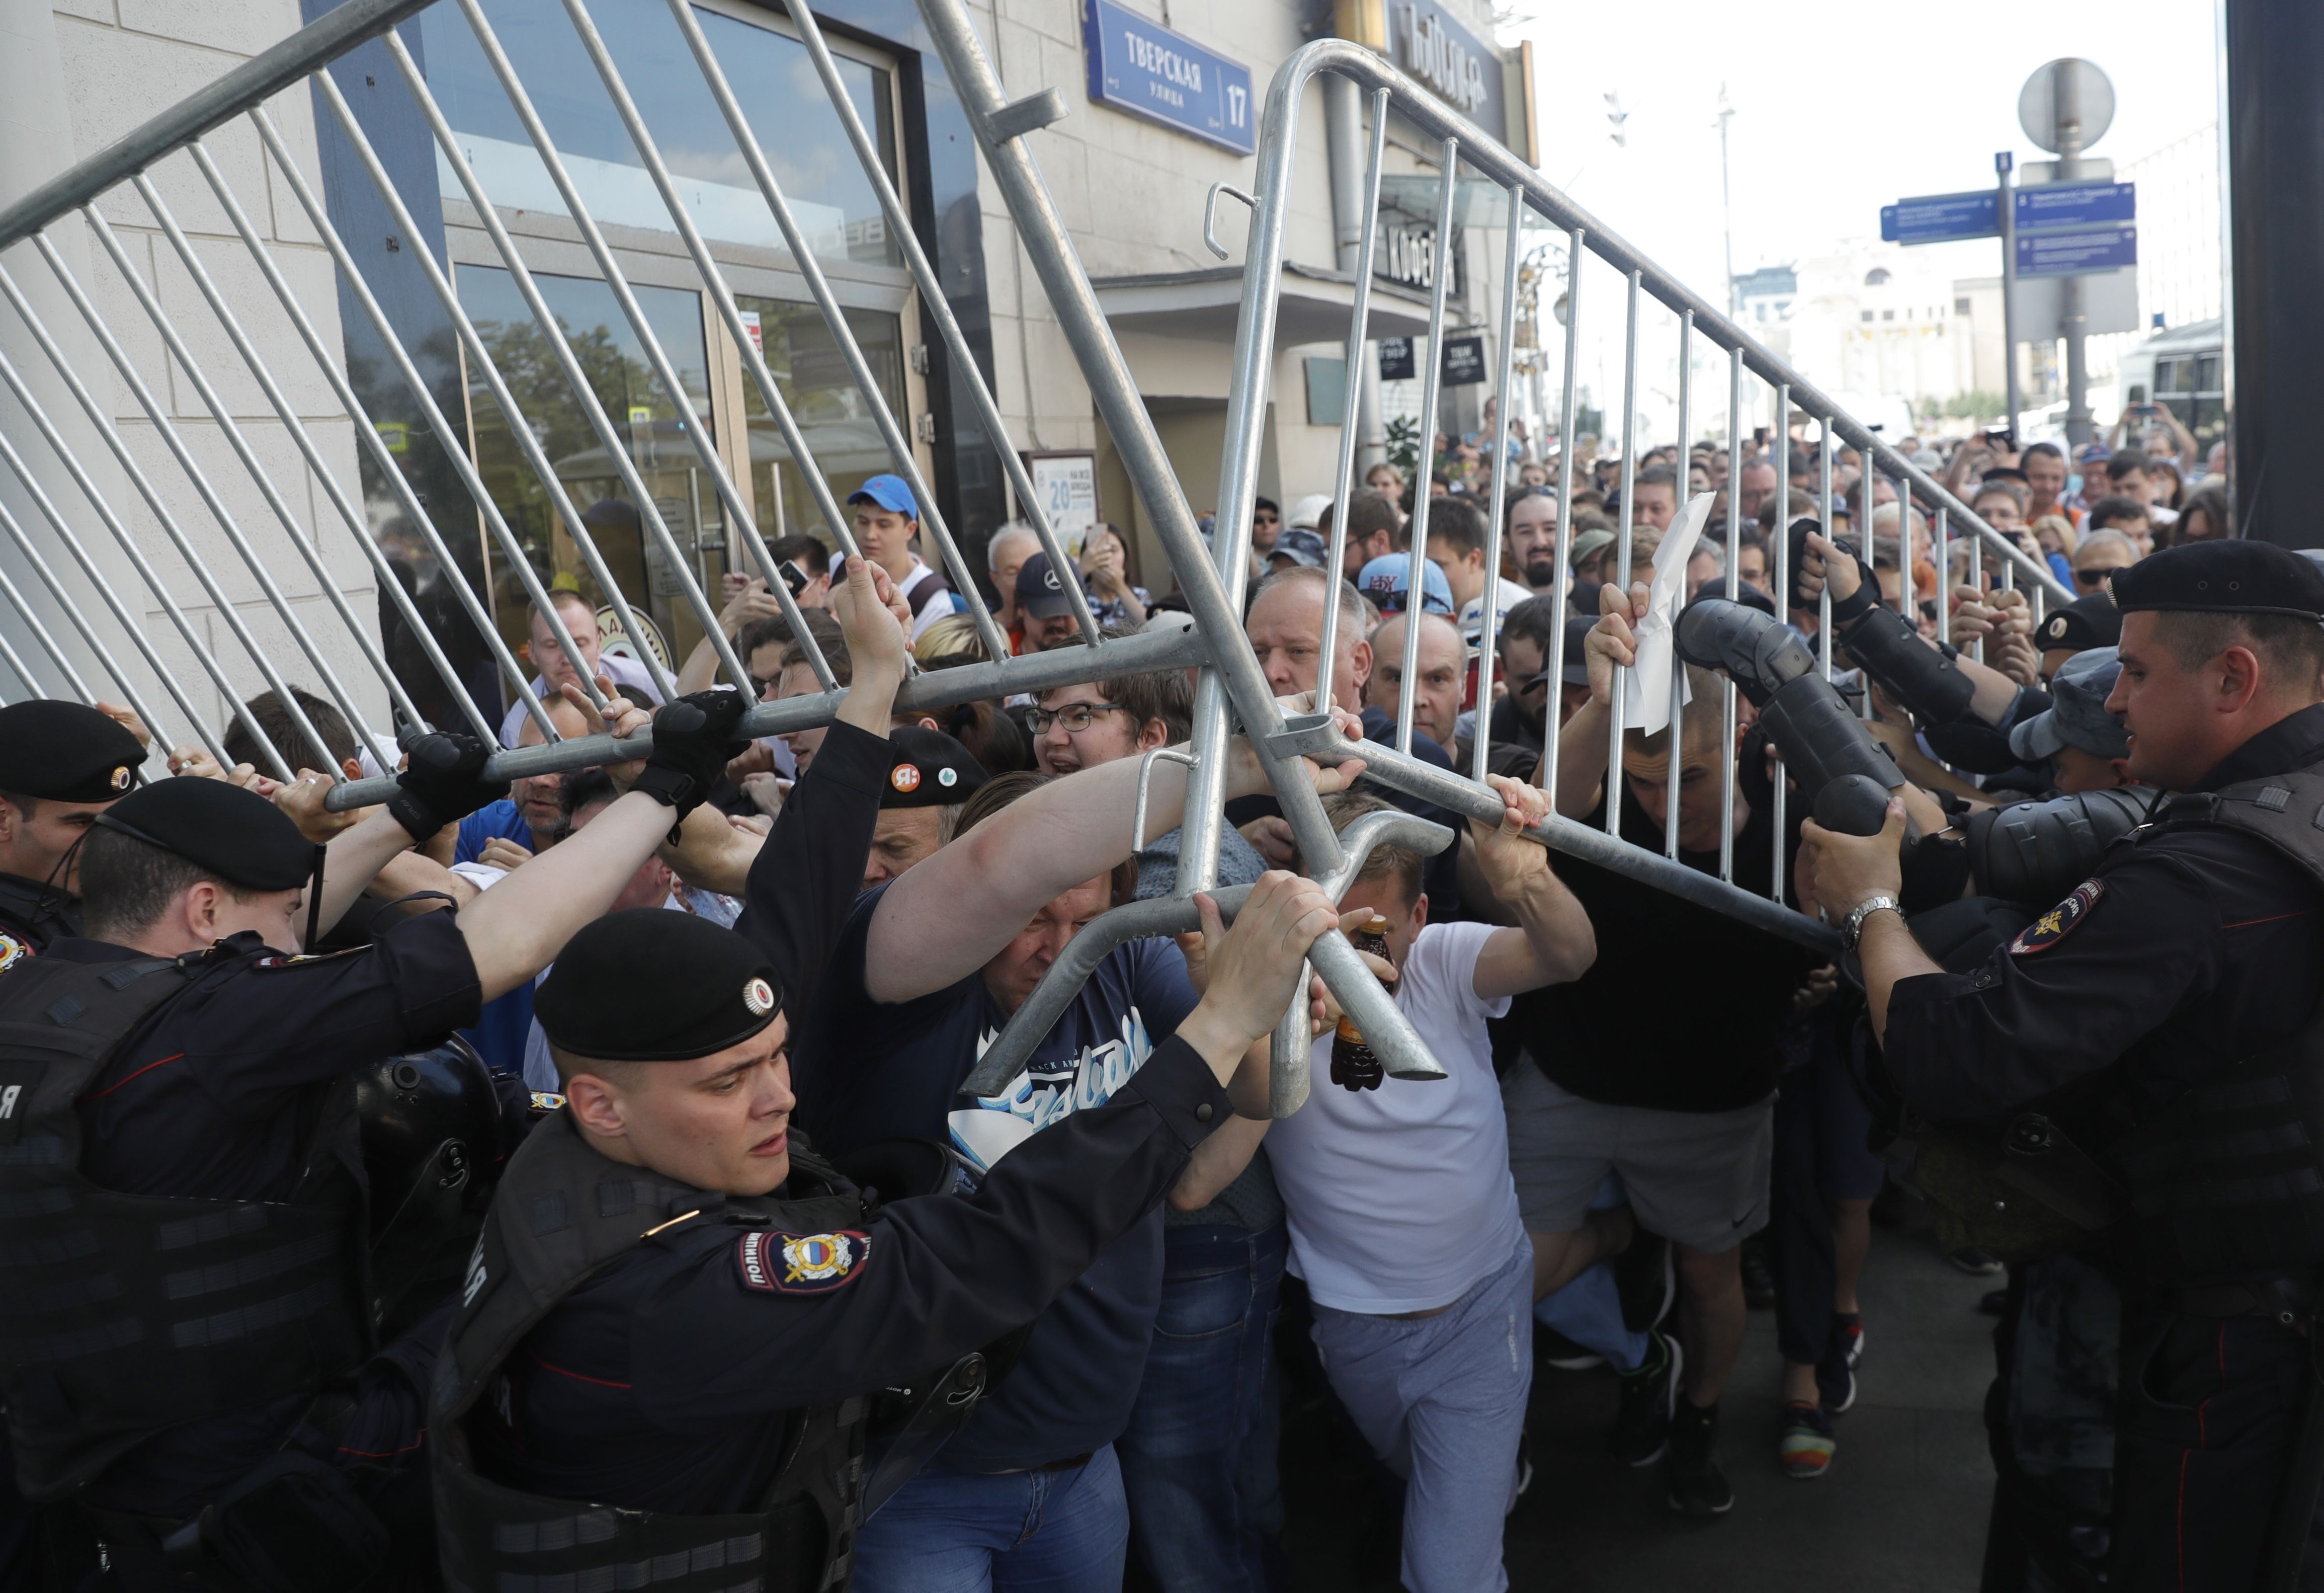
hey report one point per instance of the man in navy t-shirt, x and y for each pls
(928, 970)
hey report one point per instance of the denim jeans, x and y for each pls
(1198, 1460)
(1021, 1532)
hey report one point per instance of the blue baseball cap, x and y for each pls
(1383, 581)
(890, 494)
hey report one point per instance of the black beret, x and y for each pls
(236, 834)
(2085, 623)
(931, 770)
(65, 752)
(2223, 577)
(654, 985)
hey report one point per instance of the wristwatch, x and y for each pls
(1852, 931)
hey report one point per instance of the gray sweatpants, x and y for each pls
(1442, 1400)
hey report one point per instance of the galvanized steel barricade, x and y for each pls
(261, 355)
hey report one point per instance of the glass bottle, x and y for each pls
(1353, 1065)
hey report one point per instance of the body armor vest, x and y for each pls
(2226, 1178)
(563, 1211)
(121, 1314)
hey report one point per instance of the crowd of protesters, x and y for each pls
(1571, 1197)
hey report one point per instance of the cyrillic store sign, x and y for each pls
(1147, 69)
(1465, 71)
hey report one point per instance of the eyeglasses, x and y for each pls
(2091, 578)
(1075, 717)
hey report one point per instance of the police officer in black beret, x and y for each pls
(191, 1364)
(2146, 1059)
(61, 763)
(673, 1325)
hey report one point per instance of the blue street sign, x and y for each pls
(2049, 206)
(1940, 219)
(2075, 254)
(1145, 69)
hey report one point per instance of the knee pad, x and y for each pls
(2033, 853)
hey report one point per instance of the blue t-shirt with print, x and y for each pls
(865, 1071)
(500, 1029)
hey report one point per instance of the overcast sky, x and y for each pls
(1840, 107)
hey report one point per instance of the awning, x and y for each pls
(1312, 305)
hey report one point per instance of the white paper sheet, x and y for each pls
(1646, 687)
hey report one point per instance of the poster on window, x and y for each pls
(1066, 484)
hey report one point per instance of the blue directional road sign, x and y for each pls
(2054, 205)
(1940, 219)
(1144, 68)
(2077, 252)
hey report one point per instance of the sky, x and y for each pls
(1840, 106)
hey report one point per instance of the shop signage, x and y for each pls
(1465, 71)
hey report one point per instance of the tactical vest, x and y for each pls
(119, 1314)
(2226, 1178)
(562, 1212)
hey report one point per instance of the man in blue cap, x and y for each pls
(1384, 582)
(887, 521)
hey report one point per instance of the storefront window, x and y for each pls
(650, 420)
(770, 73)
(807, 365)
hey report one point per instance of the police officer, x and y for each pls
(677, 1312)
(2148, 1050)
(61, 763)
(190, 1354)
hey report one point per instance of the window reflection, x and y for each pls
(812, 373)
(648, 419)
(771, 75)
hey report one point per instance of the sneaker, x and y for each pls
(1977, 1263)
(1698, 1485)
(1641, 1427)
(1758, 1277)
(1553, 1348)
(1645, 1277)
(1836, 1386)
(1850, 1326)
(1805, 1450)
(1525, 1470)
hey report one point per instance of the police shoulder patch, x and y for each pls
(2056, 924)
(12, 950)
(280, 960)
(776, 1263)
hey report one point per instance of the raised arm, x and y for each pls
(951, 914)
(1553, 941)
(1581, 743)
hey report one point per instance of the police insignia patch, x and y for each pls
(11, 952)
(2056, 924)
(776, 1263)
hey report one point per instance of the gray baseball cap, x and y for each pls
(1301, 546)
(2077, 716)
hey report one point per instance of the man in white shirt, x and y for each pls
(556, 667)
(1404, 1218)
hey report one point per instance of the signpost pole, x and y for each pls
(2005, 206)
(2073, 312)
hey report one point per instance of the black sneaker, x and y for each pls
(1758, 1277)
(1698, 1486)
(1646, 1278)
(1642, 1424)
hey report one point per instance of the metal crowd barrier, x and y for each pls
(1232, 690)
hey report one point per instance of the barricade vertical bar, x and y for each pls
(1864, 518)
(1779, 559)
(199, 730)
(803, 260)
(303, 540)
(1490, 620)
(1944, 578)
(1823, 520)
(328, 360)
(1678, 503)
(103, 424)
(736, 513)
(79, 687)
(1336, 556)
(1734, 590)
(349, 515)
(592, 409)
(1566, 465)
(8, 653)
(932, 298)
(1622, 551)
(522, 435)
(1432, 387)
(131, 626)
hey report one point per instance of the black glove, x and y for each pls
(694, 741)
(439, 783)
(1858, 603)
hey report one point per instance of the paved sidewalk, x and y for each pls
(1902, 1510)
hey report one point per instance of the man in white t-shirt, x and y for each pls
(556, 667)
(1404, 1218)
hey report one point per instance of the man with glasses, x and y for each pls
(1266, 521)
(2099, 556)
